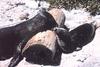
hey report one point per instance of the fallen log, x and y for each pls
(43, 49)
(59, 17)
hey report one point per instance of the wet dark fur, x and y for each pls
(77, 37)
(83, 34)
(64, 39)
(18, 35)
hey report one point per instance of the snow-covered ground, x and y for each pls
(12, 12)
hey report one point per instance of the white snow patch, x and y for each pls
(77, 17)
(11, 10)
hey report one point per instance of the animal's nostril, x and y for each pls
(78, 48)
(55, 29)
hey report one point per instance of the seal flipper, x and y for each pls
(83, 34)
(16, 59)
(18, 55)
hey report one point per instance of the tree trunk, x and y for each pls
(41, 48)
(58, 16)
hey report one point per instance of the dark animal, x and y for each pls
(39, 52)
(76, 38)
(64, 39)
(11, 37)
(83, 34)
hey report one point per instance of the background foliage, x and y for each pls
(92, 6)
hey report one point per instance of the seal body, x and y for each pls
(11, 37)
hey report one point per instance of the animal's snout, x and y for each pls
(57, 29)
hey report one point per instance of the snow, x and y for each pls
(77, 17)
(89, 56)
(12, 10)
